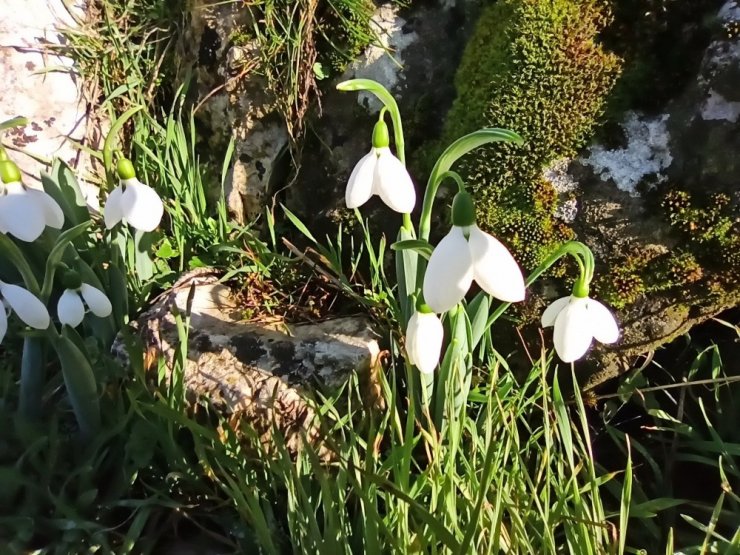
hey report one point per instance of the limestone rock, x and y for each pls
(236, 102)
(255, 373)
(640, 236)
(41, 85)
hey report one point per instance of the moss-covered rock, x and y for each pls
(533, 66)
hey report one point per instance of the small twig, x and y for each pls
(718, 381)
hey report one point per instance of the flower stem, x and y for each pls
(576, 249)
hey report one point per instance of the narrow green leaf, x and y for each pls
(57, 253)
(80, 383)
(300, 226)
(626, 500)
(13, 122)
(477, 311)
(424, 248)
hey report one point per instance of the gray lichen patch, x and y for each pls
(646, 153)
(382, 61)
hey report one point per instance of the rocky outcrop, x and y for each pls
(662, 210)
(41, 85)
(260, 375)
(234, 101)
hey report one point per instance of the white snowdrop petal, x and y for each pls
(141, 206)
(573, 334)
(20, 215)
(70, 309)
(96, 300)
(449, 273)
(424, 337)
(3, 322)
(360, 184)
(393, 183)
(112, 209)
(53, 214)
(495, 270)
(26, 306)
(603, 324)
(552, 311)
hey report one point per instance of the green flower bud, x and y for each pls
(9, 172)
(71, 280)
(381, 137)
(125, 169)
(463, 210)
(424, 308)
(580, 288)
(3, 154)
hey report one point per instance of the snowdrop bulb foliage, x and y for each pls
(380, 173)
(424, 336)
(71, 309)
(465, 254)
(133, 202)
(26, 306)
(25, 212)
(578, 320)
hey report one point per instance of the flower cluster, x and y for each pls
(468, 254)
(25, 212)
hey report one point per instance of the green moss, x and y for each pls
(711, 228)
(532, 66)
(708, 230)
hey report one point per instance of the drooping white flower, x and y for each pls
(133, 202)
(465, 254)
(25, 212)
(424, 336)
(26, 306)
(71, 309)
(578, 321)
(380, 173)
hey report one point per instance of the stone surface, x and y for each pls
(256, 373)
(41, 85)
(235, 102)
(621, 214)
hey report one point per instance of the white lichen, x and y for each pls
(646, 153)
(557, 175)
(382, 60)
(567, 211)
(717, 107)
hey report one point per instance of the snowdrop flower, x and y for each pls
(138, 204)
(578, 320)
(465, 254)
(380, 173)
(424, 336)
(25, 212)
(26, 306)
(70, 307)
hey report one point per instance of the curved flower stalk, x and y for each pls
(424, 336)
(380, 173)
(25, 212)
(132, 201)
(465, 254)
(71, 308)
(25, 305)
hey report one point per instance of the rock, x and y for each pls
(259, 374)
(42, 86)
(662, 212)
(236, 102)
